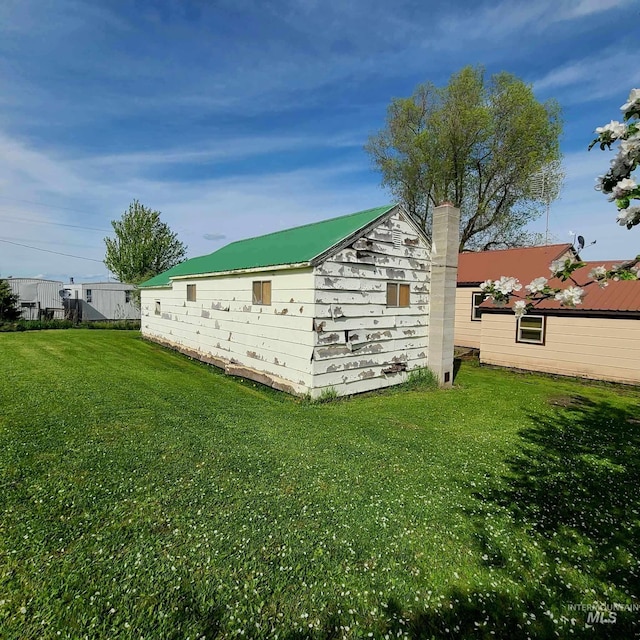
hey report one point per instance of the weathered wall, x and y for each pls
(223, 323)
(467, 331)
(42, 294)
(359, 343)
(108, 302)
(598, 348)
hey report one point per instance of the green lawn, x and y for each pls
(146, 495)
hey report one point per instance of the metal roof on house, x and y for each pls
(525, 263)
(291, 246)
(622, 296)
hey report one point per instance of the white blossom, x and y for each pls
(624, 187)
(614, 128)
(557, 266)
(507, 285)
(630, 147)
(487, 284)
(632, 101)
(537, 285)
(571, 296)
(519, 308)
(598, 272)
(629, 217)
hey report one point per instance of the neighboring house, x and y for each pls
(474, 268)
(346, 305)
(599, 339)
(38, 299)
(100, 301)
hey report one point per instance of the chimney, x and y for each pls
(442, 300)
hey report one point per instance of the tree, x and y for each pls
(143, 247)
(477, 145)
(623, 189)
(8, 302)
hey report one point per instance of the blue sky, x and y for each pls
(241, 117)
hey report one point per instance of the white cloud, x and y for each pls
(236, 206)
(596, 76)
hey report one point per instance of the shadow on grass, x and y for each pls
(576, 484)
(571, 504)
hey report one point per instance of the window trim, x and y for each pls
(543, 330)
(475, 316)
(192, 295)
(399, 286)
(265, 293)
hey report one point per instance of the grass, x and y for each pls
(146, 495)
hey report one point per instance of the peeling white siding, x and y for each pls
(357, 337)
(327, 326)
(224, 323)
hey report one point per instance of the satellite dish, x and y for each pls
(64, 293)
(580, 243)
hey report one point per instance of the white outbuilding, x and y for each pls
(345, 305)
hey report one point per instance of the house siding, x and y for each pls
(467, 331)
(357, 337)
(224, 323)
(590, 347)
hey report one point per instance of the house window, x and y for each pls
(262, 292)
(191, 293)
(89, 295)
(477, 298)
(127, 296)
(397, 294)
(157, 307)
(531, 329)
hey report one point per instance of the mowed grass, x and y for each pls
(144, 495)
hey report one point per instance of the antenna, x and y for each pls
(540, 190)
(545, 185)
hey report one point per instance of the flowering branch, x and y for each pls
(618, 181)
(623, 189)
(501, 291)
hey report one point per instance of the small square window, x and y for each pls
(398, 295)
(262, 292)
(191, 293)
(89, 295)
(531, 329)
(157, 307)
(477, 298)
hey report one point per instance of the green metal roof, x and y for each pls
(292, 246)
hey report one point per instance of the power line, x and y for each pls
(58, 253)
(59, 224)
(43, 204)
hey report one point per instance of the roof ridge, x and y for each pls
(310, 224)
(543, 246)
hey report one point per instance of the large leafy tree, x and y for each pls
(8, 302)
(478, 144)
(143, 245)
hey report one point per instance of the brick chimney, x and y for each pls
(442, 300)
